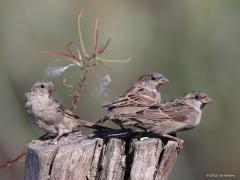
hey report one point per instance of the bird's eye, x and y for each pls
(42, 86)
(153, 78)
(196, 97)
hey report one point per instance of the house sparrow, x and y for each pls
(168, 117)
(48, 114)
(143, 93)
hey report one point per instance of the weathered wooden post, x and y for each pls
(107, 158)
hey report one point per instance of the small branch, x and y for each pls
(61, 53)
(76, 95)
(95, 37)
(113, 60)
(80, 35)
(79, 54)
(15, 160)
(102, 49)
(86, 62)
(67, 47)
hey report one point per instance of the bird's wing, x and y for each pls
(148, 115)
(81, 122)
(136, 96)
(161, 119)
(168, 111)
(177, 110)
(66, 112)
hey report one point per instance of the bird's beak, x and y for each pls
(163, 80)
(206, 100)
(51, 89)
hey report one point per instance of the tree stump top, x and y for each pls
(100, 157)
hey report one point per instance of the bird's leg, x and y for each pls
(178, 140)
(59, 135)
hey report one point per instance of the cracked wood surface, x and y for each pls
(146, 157)
(76, 157)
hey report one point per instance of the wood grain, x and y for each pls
(78, 157)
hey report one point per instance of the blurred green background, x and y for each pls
(196, 44)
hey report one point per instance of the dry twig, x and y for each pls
(87, 62)
(15, 160)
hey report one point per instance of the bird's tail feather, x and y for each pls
(88, 124)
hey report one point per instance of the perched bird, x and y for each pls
(143, 93)
(165, 118)
(48, 114)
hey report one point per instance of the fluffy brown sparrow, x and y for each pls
(143, 93)
(165, 118)
(48, 114)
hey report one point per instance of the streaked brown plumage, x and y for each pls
(48, 114)
(143, 93)
(168, 117)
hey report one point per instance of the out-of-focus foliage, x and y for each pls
(194, 43)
